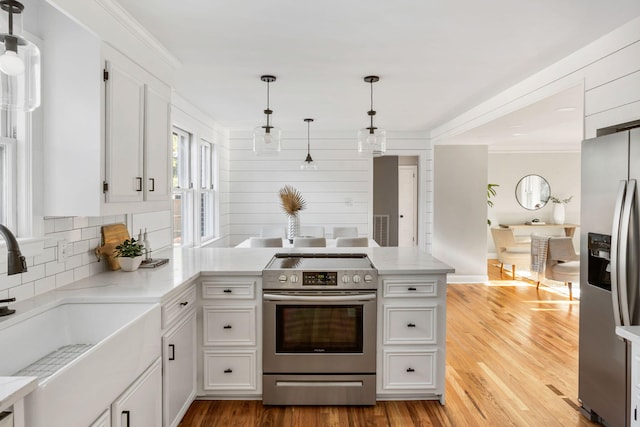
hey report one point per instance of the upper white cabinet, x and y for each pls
(106, 127)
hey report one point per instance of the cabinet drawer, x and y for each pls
(410, 324)
(404, 370)
(410, 287)
(230, 371)
(224, 325)
(175, 307)
(229, 290)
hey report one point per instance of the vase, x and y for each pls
(293, 227)
(130, 264)
(558, 213)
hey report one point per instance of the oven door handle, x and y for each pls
(316, 298)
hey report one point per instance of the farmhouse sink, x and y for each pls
(84, 355)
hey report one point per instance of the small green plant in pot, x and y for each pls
(129, 254)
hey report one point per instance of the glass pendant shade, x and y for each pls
(266, 143)
(372, 144)
(19, 62)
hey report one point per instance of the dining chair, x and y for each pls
(509, 251)
(345, 232)
(312, 231)
(563, 264)
(273, 232)
(265, 242)
(352, 242)
(309, 242)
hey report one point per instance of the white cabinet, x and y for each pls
(141, 403)
(104, 420)
(106, 127)
(411, 337)
(179, 356)
(230, 362)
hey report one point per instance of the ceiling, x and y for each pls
(435, 59)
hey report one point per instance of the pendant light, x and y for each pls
(372, 142)
(19, 62)
(309, 164)
(266, 139)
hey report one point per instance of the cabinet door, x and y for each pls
(103, 420)
(141, 403)
(124, 132)
(156, 147)
(179, 363)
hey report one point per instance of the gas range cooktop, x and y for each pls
(314, 271)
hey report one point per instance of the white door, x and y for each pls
(407, 206)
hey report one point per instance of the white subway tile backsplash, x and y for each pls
(22, 292)
(64, 224)
(49, 225)
(64, 278)
(81, 247)
(95, 221)
(89, 233)
(54, 267)
(80, 222)
(7, 281)
(48, 255)
(33, 273)
(73, 262)
(82, 272)
(45, 285)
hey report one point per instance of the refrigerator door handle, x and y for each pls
(615, 242)
(623, 283)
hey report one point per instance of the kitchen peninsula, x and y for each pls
(209, 335)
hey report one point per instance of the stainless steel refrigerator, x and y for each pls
(609, 264)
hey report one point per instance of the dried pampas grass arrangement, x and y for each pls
(291, 200)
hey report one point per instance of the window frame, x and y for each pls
(207, 188)
(186, 193)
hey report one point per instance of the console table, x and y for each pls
(569, 229)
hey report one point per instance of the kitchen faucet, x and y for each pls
(5, 310)
(15, 260)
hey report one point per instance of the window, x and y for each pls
(207, 189)
(8, 177)
(194, 190)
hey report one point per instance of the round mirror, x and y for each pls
(532, 192)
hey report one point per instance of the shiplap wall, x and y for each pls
(339, 193)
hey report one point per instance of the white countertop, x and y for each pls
(186, 265)
(13, 389)
(632, 333)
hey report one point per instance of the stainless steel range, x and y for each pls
(319, 330)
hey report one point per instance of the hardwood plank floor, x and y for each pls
(512, 360)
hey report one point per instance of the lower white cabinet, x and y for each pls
(104, 420)
(229, 351)
(141, 403)
(411, 337)
(179, 363)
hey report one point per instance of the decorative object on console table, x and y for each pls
(558, 208)
(292, 203)
(129, 253)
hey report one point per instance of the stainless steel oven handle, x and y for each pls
(316, 298)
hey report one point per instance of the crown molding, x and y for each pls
(137, 30)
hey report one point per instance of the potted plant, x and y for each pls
(129, 254)
(292, 203)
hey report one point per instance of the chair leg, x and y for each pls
(501, 269)
(570, 290)
(538, 284)
(513, 266)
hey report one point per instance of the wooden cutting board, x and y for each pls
(112, 236)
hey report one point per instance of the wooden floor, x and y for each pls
(512, 360)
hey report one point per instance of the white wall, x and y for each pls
(339, 193)
(460, 215)
(561, 170)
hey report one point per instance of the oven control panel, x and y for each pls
(319, 278)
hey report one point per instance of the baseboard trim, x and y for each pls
(467, 278)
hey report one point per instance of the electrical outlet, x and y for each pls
(63, 251)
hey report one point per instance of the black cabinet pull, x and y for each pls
(227, 291)
(184, 303)
(411, 325)
(173, 352)
(227, 326)
(228, 371)
(127, 415)
(410, 370)
(139, 181)
(153, 184)
(412, 289)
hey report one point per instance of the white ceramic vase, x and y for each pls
(129, 264)
(558, 213)
(293, 228)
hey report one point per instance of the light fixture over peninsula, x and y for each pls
(266, 139)
(19, 62)
(372, 142)
(309, 164)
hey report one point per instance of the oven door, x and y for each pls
(324, 332)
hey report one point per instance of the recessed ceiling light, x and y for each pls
(566, 109)
(518, 134)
